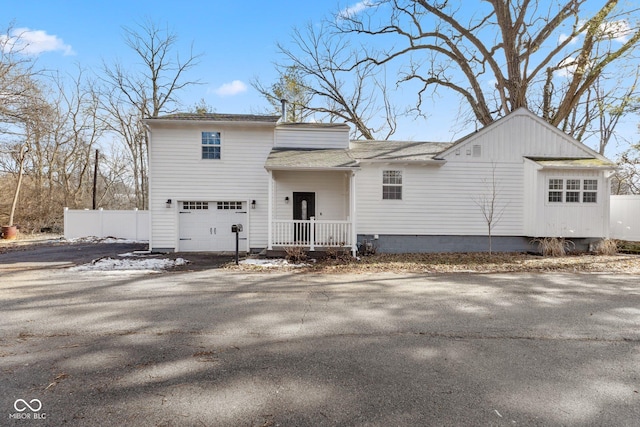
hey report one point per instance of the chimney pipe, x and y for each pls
(284, 109)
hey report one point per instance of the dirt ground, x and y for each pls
(54, 248)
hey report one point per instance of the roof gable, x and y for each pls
(532, 132)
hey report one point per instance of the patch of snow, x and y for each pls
(135, 254)
(94, 239)
(141, 265)
(271, 263)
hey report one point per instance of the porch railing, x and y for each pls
(312, 233)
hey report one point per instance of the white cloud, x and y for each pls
(230, 89)
(349, 11)
(617, 30)
(34, 42)
(569, 66)
(563, 37)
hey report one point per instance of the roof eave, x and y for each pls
(578, 167)
(311, 168)
(399, 161)
(214, 122)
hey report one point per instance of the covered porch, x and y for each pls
(311, 200)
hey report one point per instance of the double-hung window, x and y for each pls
(392, 185)
(590, 191)
(211, 145)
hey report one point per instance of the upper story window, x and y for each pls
(572, 191)
(211, 145)
(392, 185)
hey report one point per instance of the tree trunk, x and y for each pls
(23, 152)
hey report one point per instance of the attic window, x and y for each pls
(477, 151)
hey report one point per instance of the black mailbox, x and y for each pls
(236, 228)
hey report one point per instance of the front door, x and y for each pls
(304, 207)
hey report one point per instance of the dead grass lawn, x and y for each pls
(476, 263)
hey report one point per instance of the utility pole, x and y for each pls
(95, 179)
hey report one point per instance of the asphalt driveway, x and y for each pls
(223, 347)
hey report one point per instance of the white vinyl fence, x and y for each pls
(131, 225)
(625, 218)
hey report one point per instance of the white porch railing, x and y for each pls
(312, 233)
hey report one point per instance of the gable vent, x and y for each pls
(477, 151)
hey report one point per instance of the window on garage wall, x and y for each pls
(211, 145)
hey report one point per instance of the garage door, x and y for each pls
(206, 226)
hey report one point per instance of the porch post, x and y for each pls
(352, 213)
(312, 233)
(270, 211)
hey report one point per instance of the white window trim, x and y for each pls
(401, 185)
(581, 191)
(202, 145)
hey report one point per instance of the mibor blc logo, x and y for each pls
(28, 410)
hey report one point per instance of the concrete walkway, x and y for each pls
(229, 348)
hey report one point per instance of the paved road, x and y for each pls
(229, 348)
(61, 254)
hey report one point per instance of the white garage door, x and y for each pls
(206, 226)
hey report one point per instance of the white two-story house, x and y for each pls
(306, 184)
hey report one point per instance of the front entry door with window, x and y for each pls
(304, 207)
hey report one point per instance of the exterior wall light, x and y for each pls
(253, 204)
(286, 199)
(168, 203)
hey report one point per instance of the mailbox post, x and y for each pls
(237, 228)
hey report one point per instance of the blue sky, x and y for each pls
(237, 39)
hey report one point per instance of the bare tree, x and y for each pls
(516, 45)
(335, 89)
(489, 204)
(17, 82)
(133, 95)
(626, 179)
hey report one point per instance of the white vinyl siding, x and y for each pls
(178, 172)
(514, 137)
(439, 200)
(568, 218)
(312, 137)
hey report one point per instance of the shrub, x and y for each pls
(606, 247)
(554, 246)
(295, 254)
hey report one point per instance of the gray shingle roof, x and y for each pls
(573, 163)
(285, 158)
(396, 150)
(383, 151)
(216, 117)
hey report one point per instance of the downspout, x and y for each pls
(270, 211)
(354, 231)
(148, 130)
